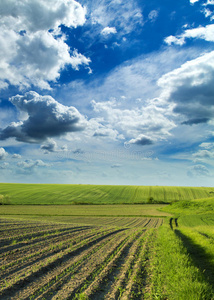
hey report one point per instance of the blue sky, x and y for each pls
(107, 92)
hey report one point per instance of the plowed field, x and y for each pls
(61, 261)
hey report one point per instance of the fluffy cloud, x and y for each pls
(108, 30)
(205, 33)
(50, 146)
(33, 49)
(191, 89)
(193, 1)
(103, 131)
(135, 79)
(41, 14)
(207, 12)
(16, 156)
(137, 123)
(142, 140)
(131, 87)
(209, 2)
(206, 153)
(30, 164)
(46, 118)
(3, 154)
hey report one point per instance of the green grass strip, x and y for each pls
(175, 277)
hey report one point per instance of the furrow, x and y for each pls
(19, 252)
(32, 274)
(32, 238)
(43, 253)
(45, 239)
(122, 276)
(5, 230)
(67, 280)
(117, 266)
(32, 243)
(135, 285)
(86, 277)
(52, 253)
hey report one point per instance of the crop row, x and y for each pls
(59, 261)
(127, 222)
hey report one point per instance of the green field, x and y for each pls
(85, 210)
(112, 251)
(196, 206)
(97, 194)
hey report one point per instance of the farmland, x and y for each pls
(143, 251)
(115, 259)
(60, 261)
(96, 194)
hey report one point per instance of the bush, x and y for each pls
(150, 200)
(4, 200)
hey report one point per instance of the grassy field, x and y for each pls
(97, 194)
(121, 258)
(197, 220)
(199, 206)
(102, 215)
(193, 227)
(180, 271)
(148, 251)
(85, 210)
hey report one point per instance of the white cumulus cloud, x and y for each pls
(108, 30)
(205, 33)
(206, 152)
(33, 49)
(3, 153)
(209, 2)
(191, 89)
(151, 119)
(193, 1)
